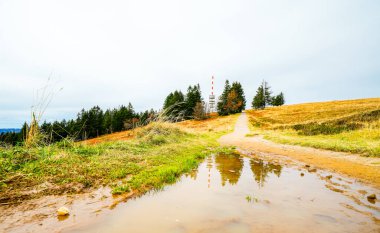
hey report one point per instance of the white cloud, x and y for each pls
(108, 53)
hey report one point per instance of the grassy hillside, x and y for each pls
(350, 125)
(128, 161)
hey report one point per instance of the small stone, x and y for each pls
(302, 174)
(329, 177)
(307, 165)
(312, 170)
(372, 197)
(63, 211)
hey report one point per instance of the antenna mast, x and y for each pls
(211, 101)
(264, 93)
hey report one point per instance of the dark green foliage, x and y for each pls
(13, 138)
(337, 126)
(193, 96)
(88, 124)
(264, 97)
(223, 99)
(327, 128)
(278, 100)
(174, 105)
(174, 98)
(178, 107)
(10, 138)
(232, 99)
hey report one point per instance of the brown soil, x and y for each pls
(363, 168)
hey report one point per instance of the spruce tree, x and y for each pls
(262, 97)
(278, 100)
(193, 96)
(259, 100)
(174, 105)
(232, 99)
(240, 97)
(223, 99)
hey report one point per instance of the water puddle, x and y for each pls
(233, 193)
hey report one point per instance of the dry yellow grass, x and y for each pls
(214, 123)
(119, 136)
(279, 124)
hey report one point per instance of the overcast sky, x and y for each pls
(109, 52)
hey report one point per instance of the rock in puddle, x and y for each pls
(63, 211)
(372, 197)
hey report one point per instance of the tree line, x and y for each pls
(88, 124)
(177, 107)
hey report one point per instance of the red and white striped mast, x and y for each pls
(211, 101)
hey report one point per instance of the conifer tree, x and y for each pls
(262, 97)
(193, 96)
(240, 97)
(223, 99)
(278, 100)
(174, 105)
(232, 99)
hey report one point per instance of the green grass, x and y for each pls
(349, 126)
(159, 155)
(362, 142)
(336, 126)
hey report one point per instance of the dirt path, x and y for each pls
(365, 169)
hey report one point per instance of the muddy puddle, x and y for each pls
(234, 193)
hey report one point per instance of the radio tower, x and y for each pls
(211, 100)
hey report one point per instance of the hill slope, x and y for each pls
(349, 125)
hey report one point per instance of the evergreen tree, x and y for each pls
(95, 122)
(193, 96)
(278, 100)
(259, 100)
(174, 105)
(232, 99)
(240, 101)
(223, 99)
(23, 132)
(107, 123)
(82, 124)
(88, 124)
(262, 97)
(234, 104)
